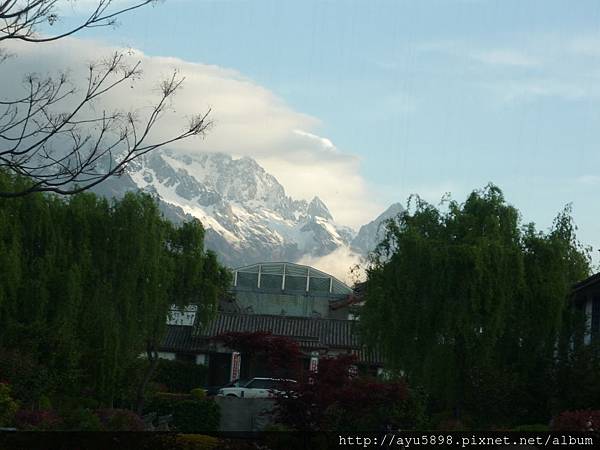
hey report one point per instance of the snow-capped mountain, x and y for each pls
(372, 233)
(245, 210)
(246, 213)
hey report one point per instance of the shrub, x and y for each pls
(334, 401)
(81, 420)
(196, 442)
(198, 393)
(582, 420)
(120, 420)
(180, 376)
(38, 420)
(28, 379)
(8, 406)
(44, 403)
(163, 403)
(196, 416)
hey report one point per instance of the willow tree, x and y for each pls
(87, 285)
(468, 303)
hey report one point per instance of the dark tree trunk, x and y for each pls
(152, 355)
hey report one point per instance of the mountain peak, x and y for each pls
(316, 208)
(371, 234)
(246, 213)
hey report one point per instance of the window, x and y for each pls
(261, 384)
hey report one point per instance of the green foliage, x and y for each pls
(163, 403)
(198, 393)
(470, 304)
(29, 380)
(197, 442)
(190, 414)
(119, 420)
(8, 406)
(180, 376)
(578, 379)
(87, 285)
(81, 420)
(196, 416)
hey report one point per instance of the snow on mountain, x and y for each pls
(246, 212)
(372, 233)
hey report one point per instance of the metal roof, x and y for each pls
(284, 276)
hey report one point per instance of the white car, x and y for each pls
(256, 388)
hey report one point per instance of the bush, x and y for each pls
(81, 420)
(8, 406)
(28, 379)
(198, 393)
(47, 420)
(334, 401)
(582, 420)
(196, 416)
(163, 403)
(196, 442)
(180, 376)
(119, 420)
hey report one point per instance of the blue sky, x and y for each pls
(431, 96)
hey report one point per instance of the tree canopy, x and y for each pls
(466, 301)
(86, 285)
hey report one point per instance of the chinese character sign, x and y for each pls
(236, 363)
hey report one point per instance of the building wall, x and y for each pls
(592, 312)
(261, 302)
(182, 315)
(588, 299)
(245, 414)
(165, 355)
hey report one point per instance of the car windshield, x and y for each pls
(241, 383)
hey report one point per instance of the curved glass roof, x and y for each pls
(279, 276)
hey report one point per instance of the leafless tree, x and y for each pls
(67, 152)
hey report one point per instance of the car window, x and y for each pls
(281, 385)
(260, 384)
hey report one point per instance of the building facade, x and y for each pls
(586, 296)
(288, 300)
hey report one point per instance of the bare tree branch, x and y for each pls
(51, 135)
(19, 19)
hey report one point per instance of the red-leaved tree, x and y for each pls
(333, 400)
(283, 355)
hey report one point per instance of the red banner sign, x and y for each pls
(236, 364)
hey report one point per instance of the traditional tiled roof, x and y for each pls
(310, 333)
(179, 338)
(325, 332)
(590, 281)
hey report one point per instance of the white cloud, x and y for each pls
(588, 45)
(338, 263)
(534, 67)
(488, 56)
(249, 120)
(589, 180)
(505, 57)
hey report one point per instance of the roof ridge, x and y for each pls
(330, 319)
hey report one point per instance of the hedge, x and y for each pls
(180, 376)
